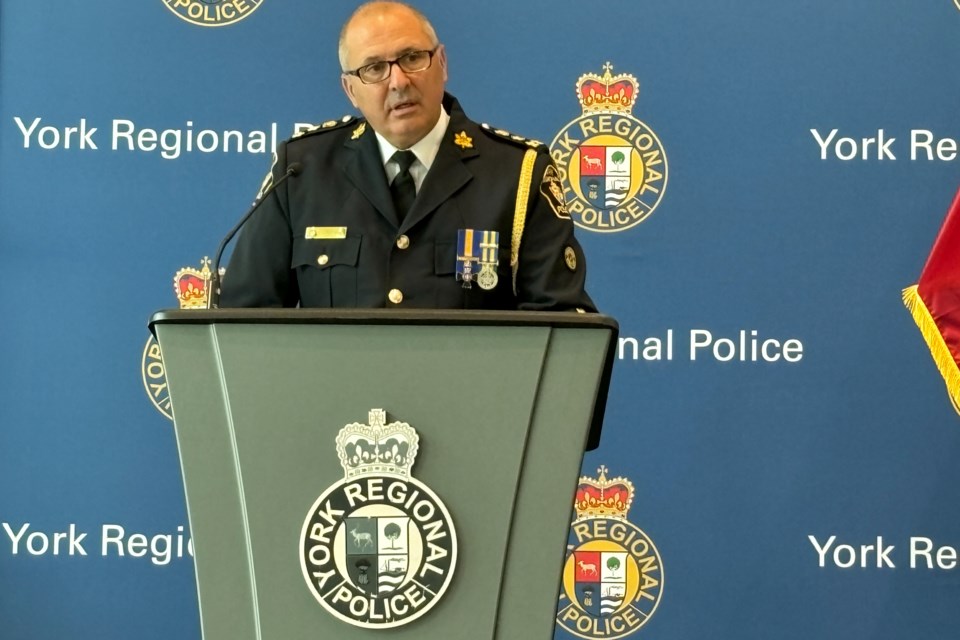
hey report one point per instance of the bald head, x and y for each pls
(404, 105)
(381, 11)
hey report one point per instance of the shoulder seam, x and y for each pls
(323, 127)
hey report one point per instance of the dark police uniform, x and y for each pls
(329, 237)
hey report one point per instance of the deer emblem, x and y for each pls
(593, 163)
(362, 539)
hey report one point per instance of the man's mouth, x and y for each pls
(401, 108)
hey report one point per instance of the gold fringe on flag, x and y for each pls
(942, 356)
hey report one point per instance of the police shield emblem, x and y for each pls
(378, 548)
(612, 166)
(377, 559)
(605, 174)
(613, 574)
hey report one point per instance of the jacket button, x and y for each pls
(322, 260)
(403, 242)
(395, 296)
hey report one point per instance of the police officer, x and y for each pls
(412, 205)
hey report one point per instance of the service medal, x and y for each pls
(478, 250)
(489, 259)
(467, 256)
(488, 277)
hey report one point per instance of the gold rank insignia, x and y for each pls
(462, 140)
(512, 137)
(570, 256)
(359, 131)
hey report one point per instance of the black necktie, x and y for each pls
(403, 188)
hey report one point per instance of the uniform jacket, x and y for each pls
(285, 255)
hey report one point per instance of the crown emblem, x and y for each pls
(603, 498)
(607, 93)
(377, 447)
(190, 285)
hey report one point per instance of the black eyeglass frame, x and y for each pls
(396, 61)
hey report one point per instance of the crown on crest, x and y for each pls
(377, 447)
(603, 498)
(190, 285)
(607, 93)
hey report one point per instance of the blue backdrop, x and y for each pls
(763, 226)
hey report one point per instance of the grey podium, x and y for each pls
(371, 473)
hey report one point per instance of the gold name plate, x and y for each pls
(325, 233)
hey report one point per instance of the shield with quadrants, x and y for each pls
(377, 552)
(605, 174)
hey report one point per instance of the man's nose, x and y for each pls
(398, 77)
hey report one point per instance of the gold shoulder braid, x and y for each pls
(520, 212)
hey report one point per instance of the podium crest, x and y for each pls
(378, 548)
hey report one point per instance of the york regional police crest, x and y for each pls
(190, 285)
(378, 548)
(612, 166)
(613, 574)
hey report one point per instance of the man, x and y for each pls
(462, 217)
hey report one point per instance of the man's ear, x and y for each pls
(442, 60)
(348, 89)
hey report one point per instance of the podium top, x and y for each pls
(412, 317)
(559, 319)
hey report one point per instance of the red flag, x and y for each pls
(935, 301)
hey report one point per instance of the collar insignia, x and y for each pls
(359, 131)
(462, 140)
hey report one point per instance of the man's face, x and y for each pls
(404, 107)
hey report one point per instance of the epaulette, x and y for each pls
(502, 134)
(323, 127)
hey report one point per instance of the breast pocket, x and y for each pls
(445, 258)
(327, 271)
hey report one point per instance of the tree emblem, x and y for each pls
(613, 564)
(618, 158)
(392, 531)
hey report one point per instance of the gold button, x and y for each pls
(322, 260)
(570, 256)
(395, 296)
(403, 242)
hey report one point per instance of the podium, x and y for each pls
(504, 405)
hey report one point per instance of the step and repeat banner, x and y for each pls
(753, 183)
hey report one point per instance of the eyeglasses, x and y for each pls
(411, 62)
